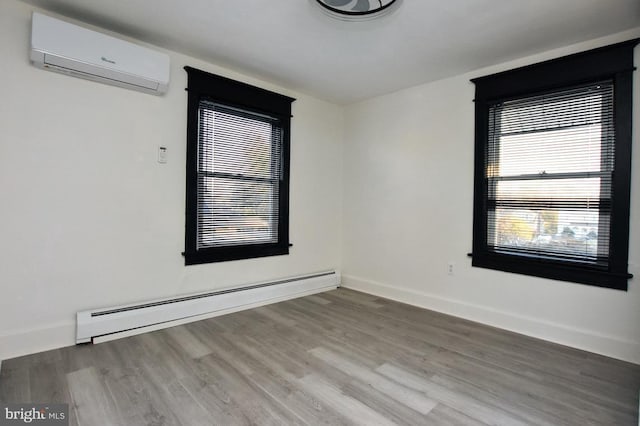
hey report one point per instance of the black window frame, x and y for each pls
(615, 63)
(224, 91)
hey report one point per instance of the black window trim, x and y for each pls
(215, 88)
(614, 62)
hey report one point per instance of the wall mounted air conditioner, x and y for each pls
(63, 47)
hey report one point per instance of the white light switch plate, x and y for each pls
(162, 154)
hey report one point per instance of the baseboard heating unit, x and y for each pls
(98, 324)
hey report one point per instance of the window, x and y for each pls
(237, 203)
(553, 168)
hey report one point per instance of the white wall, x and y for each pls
(408, 210)
(88, 218)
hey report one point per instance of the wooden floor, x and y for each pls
(341, 357)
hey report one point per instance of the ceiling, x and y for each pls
(294, 44)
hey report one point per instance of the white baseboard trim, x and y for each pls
(587, 340)
(34, 340)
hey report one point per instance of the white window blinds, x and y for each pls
(239, 167)
(550, 162)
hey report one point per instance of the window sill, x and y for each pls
(552, 270)
(224, 254)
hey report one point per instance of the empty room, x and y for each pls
(339, 212)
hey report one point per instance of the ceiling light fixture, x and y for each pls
(357, 9)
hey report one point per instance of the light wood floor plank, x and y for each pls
(463, 403)
(91, 400)
(351, 408)
(394, 389)
(188, 342)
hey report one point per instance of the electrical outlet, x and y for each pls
(450, 268)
